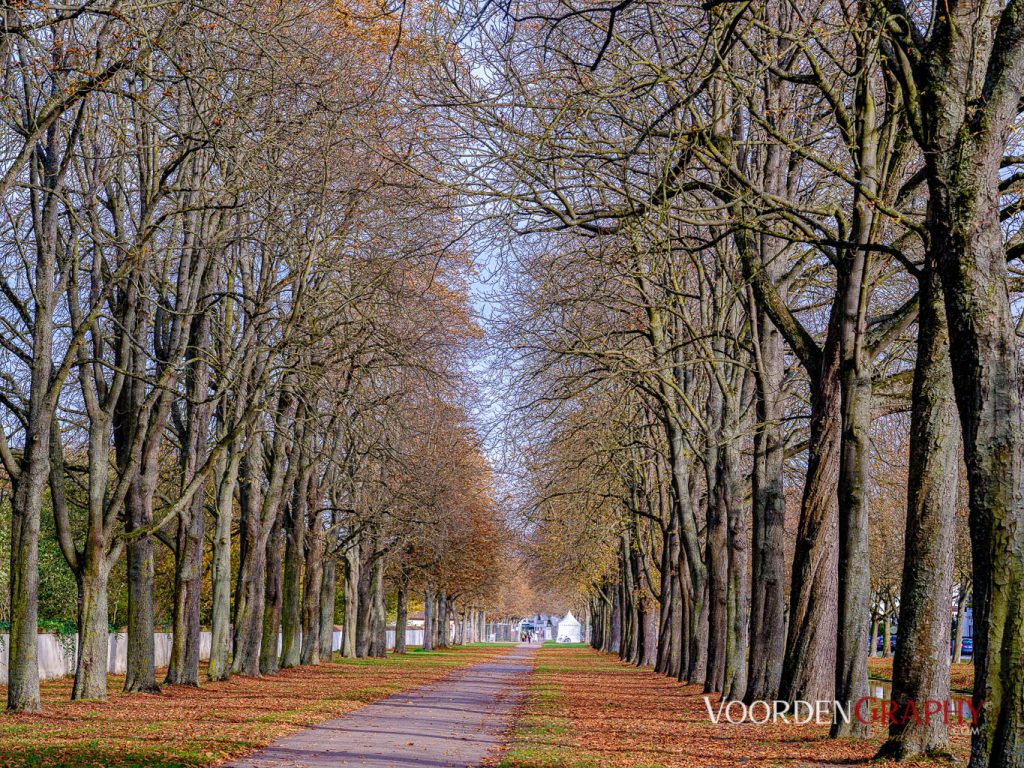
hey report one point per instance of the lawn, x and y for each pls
(589, 710)
(184, 726)
(961, 676)
(553, 644)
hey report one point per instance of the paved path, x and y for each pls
(453, 723)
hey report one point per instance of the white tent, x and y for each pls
(569, 629)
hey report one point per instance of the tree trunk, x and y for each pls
(194, 439)
(808, 668)
(442, 620)
(690, 553)
(23, 665)
(921, 667)
(93, 630)
(669, 618)
(855, 445)
(250, 581)
(681, 645)
(294, 552)
(639, 642)
(312, 587)
(767, 619)
(460, 627)
(428, 619)
(140, 674)
(698, 647)
(961, 617)
(965, 231)
(269, 649)
(378, 645)
(967, 102)
(249, 604)
(220, 640)
(628, 642)
(402, 615)
(364, 610)
(183, 668)
(353, 576)
(34, 468)
(650, 649)
(615, 620)
(604, 615)
(731, 484)
(261, 517)
(887, 635)
(717, 542)
(718, 588)
(328, 584)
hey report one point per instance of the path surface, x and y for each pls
(453, 723)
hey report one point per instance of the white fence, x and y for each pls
(57, 653)
(412, 637)
(501, 632)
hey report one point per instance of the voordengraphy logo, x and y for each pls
(866, 710)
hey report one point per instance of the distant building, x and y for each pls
(568, 629)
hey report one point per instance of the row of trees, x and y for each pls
(744, 241)
(234, 331)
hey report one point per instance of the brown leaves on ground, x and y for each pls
(185, 726)
(589, 710)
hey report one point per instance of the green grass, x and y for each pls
(553, 644)
(484, 645)
(419, 648)
(538, 743)
(542, 738)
